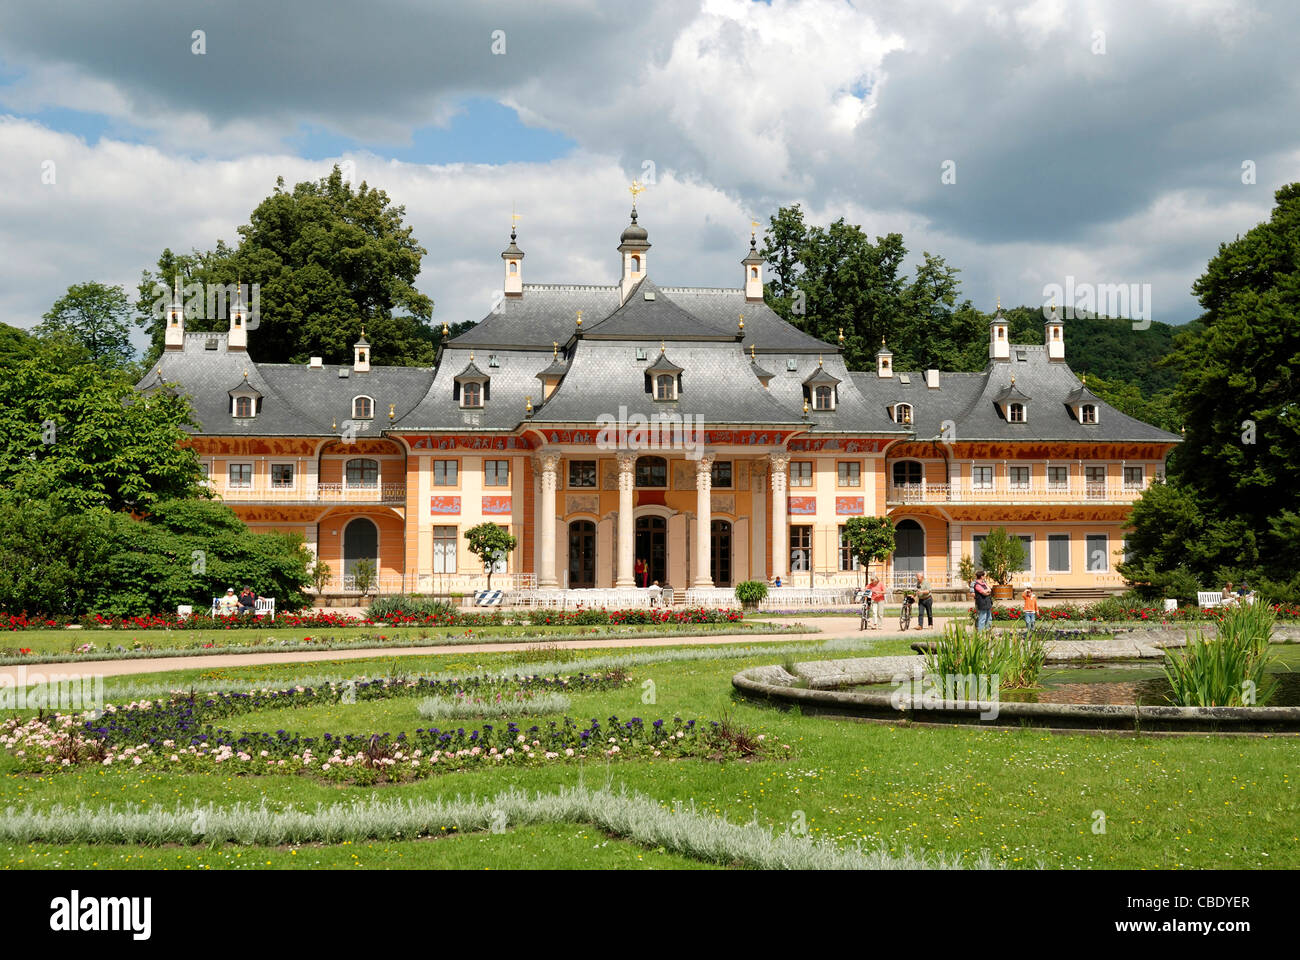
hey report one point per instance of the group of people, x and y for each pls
(243, 605)
(921, 595)
(1242, 594)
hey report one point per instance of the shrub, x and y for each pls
(1002, 555)
(751, 592)
(409, 604)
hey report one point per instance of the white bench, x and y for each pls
(1208, 599)
(262, 607)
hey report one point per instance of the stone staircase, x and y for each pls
(1077, 594)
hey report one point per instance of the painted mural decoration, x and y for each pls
(1022, 451)
(803, 506)
(442, 505)
(255, 446)
(582, 503)
(432, 442)
(372, 445)
(850, 506)
(837, 444)
(493, 505)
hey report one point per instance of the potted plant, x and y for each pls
(751, 593)
(1002, 556)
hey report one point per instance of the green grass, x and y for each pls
(195, 642)
(1027, 797)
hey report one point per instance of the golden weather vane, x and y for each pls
(514, 218)
(635, 190)
(753, 229)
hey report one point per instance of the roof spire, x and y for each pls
(555, 349)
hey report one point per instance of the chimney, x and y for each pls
(316, 363)
(932, 379)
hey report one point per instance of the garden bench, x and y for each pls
(262, 607)
(1208, 599)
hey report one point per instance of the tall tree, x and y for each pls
(98, 317)
(79, 435)
(327, 259)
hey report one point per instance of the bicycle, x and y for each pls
(905, 615)
(865, 622)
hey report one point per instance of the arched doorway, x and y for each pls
(360, 542)
(582, 554)
(909, 550)
(651, 545)
(720, 546)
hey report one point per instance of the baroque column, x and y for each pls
(548, 464)
(780, 515)
(626, 531)
(703, 521)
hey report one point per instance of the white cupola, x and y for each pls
(884, 361)
(361, 354)
(999, 336)
(237, 339)
(514, 268)
(634, 245)
(1054, 336)
(753, 264)
(174, 335)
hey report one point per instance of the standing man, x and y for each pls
(876, 592)
(924, 601)
(983, 601)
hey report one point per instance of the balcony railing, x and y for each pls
(1006, 491)
(263, 492)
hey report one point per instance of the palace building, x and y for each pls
(689, 429)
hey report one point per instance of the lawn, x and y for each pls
(1025, 797)
(63, 644)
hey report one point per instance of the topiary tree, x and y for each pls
(490, 543)
(869, 539)
(363, 575)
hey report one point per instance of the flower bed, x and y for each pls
(316, 619)
(1113, 611)
(173, 734)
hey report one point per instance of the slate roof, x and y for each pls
(970, 401)
(513, 379)
(296, 400)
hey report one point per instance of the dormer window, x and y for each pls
(1088, 413)
(663, 378)
(819, 389)
(245, 400)
(903, 413)
(363, 408)
(244, 407)
(471, 389)
(1016, 412)
(823, 398)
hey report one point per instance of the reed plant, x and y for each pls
(1015, 659)
(1230, 668)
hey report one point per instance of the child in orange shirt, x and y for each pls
(1030, 600)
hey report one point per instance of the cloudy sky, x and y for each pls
(1099, 140)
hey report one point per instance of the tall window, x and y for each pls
(800, 548)
(243, 406)
(363, 473)
(981, 478)
(1016, 412)
(850, 473)
(823, 399)
(444, 549)
(282, 474)
(903, 413)
(664, 386)
(1095, 482)
(1088, 413)
(363, 408)
(471, 394)
(1058, 553)
(445, 473)
(1019, 477)
(1098, 546)
(907, 472)
(847, 560)
(582, 473)
(241, 475)
(1058, 478)
(722, 474)
(651, 472)
(1134, 478)
(801, 473)
(496, 473)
